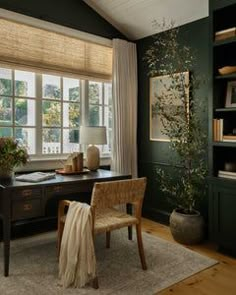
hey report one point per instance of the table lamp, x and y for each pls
(92, 135)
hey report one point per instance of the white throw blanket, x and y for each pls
(77, 262)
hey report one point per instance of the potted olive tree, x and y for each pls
(182, 125)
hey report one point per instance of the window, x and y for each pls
(45, 111)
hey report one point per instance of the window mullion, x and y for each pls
(39, 115)
(62, 109)
(13, 102)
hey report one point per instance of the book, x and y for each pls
(225, 34)
(227, 174)
(35, 177)
(229, 138)
(230, 173)
(218, 127)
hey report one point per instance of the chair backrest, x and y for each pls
(112, 193)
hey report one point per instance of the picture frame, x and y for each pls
(231, 95)
(158, 86)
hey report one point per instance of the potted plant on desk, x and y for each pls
(183, 127)
(12, 154)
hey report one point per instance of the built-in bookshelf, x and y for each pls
(222, 132)
(224, 83)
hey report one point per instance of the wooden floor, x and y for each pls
(217, 280)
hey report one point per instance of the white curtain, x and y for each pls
(124, 87)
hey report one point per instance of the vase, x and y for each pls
(187, 228)
(6, 175)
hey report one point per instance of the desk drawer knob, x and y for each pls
(27, 207)
(57, 188)
(27, 193)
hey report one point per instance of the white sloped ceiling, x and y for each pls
(137, 19)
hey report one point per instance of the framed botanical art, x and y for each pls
(231, 94)
(167, 88)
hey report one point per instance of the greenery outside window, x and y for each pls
(45, 111)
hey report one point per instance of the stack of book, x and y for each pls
(229, 138)
(225, 34)
(218, 126)
(227, 174)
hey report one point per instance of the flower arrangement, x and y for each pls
(12, 154)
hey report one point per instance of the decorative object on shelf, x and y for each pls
(225, 34)
(230, 166)
(12, 154)
(227, 70)
(231, 94)
(161, 86)
(186, 133)
(92, 135)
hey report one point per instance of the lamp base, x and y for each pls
(93, 158)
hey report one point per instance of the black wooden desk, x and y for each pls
(24, 200)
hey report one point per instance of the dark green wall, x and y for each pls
(153, 154)
(71, 13)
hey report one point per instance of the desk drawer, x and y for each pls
(63, 189)
(23, 209)
(27, 193)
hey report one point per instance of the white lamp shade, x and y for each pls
(93, 135)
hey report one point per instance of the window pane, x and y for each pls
(51, 141)
(71, 89)
(51, 87)
(51, 113)
(107, 117)
(27, 138)
(107, 93)
(95, 92)
(24, 84)
(5, 82)
(95, 115)
(6, 131)
(70, 140)
(25, 112)
(5, 111)
(71, 114)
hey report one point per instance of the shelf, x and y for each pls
(222, 4)
(230, 76)
(224, 42)
(221, 179)
(225, 110)
(224, 144)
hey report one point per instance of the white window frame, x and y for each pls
(84, 109)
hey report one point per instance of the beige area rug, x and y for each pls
(34, 266)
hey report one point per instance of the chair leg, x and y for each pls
(108, 239)
(59, 237)
(95, 284)
(140, 246)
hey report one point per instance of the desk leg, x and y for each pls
(6, 241)
(129, 211)
(6, 232)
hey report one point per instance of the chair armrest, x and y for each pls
(61, 208)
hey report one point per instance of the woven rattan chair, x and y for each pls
(105, 196)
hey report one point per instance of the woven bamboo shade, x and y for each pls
(29, 46)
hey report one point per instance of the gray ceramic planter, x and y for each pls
(187, 228)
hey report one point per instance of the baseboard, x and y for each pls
(156, 215)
